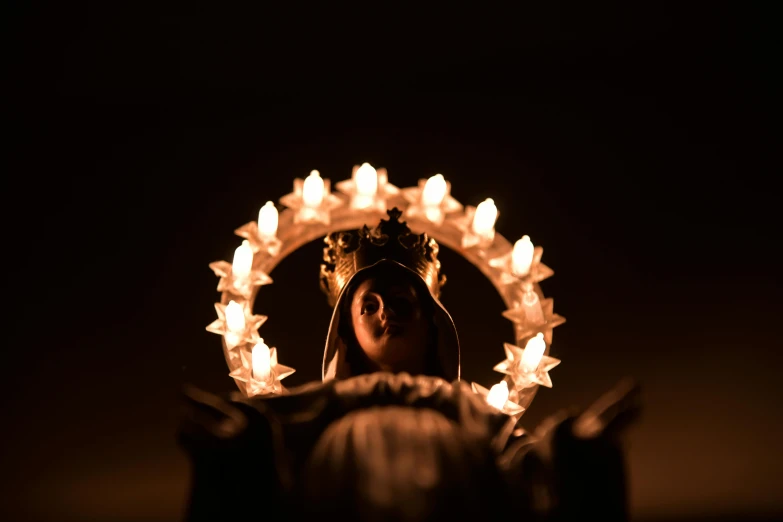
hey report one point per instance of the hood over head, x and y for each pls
(337, 356)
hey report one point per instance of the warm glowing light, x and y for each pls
(531, 305)
(268, 218)
(484, 218)
(314, 208)
(498, 395)
(243, 261)
(235, 317)
(434, 191)
(313, 190)
(261, 360)
(522, 256)
(366, 179)
(534, 351)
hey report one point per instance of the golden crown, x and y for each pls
(346, 253)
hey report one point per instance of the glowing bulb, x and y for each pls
(235, 318)
(434, 191)
(498, 395)
(267, 221)
(366, 179)
(484, 218)
(534, 350)
(261, 360)
(531, 305)
(313, 190)
(243, 261)
(522, 256)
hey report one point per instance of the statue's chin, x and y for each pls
(399, 354)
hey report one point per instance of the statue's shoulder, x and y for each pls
(302, 413)
(454, 400)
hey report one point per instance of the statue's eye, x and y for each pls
(369, 307)
(402, 306)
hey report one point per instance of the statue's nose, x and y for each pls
(388, 313)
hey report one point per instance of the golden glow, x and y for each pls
(484, 218)
(268, 218)
(366, 179)
(534, 314)
(498, 395)
(311, 210)
(313, 190)
(534, 350)
(235, 317)
(434, 191)
(243, 261)
(522, 256)
(261, 361)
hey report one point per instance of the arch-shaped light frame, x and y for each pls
(451, 227)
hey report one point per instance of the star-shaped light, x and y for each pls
(536, 317)
(538, 270)
(470, 239)
(312, 200)
(368, 189)
(431, 200)
(270, 385)
(262, 234)
(249, 334)
(242, 287)
(509, 407)
(259, 240)
(522, 375)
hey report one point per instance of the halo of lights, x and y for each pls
(312, 211)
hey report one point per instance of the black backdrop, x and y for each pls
(630, 143)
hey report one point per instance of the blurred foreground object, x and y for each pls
(394, 447)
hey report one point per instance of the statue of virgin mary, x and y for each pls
(391, 432)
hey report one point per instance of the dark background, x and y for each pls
(631, 142)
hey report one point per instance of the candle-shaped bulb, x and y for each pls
(522, 256)
(261, 360)
(531, 305)
(434, 191)
(313, 190)
(484, 218)
(235, 317)
(366, 180)
(268, 218)
(534, 350)
(243, 261)
(498, 395)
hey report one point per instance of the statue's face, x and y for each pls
(389, 324)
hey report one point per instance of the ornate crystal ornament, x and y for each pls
(372, 207)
